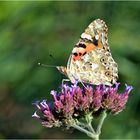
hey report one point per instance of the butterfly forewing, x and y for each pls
(91, 60)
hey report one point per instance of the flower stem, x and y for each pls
(90, 130)
(89, 119)
(90, 134)
(104, 115)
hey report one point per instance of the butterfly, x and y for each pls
(91, 60)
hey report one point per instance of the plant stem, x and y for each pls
(97, 137)
(90, 134)
(104, 115)
(90, 130)
(89, 119)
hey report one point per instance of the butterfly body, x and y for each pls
(91, 60)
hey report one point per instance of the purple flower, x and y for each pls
(74, 102)
(97, 97)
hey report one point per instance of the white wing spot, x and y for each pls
(97, 37)
(74, 50)
(84, 35)
(95, 66)
(98, 25)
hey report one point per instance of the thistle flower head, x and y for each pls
(74, 102)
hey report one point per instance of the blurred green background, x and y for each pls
(32, 32)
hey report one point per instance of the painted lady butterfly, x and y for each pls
(91, 60)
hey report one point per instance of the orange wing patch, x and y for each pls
(79, 52)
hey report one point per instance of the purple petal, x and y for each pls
(117, 86)
(128, 88)
(35, 115)
(53, 93)
(58, 106)
(44, 105)
(36, 103)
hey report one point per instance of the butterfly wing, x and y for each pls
(91, 60)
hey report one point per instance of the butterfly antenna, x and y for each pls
(43, 65)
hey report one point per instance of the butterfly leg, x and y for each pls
(82, 83)
(65, 80)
